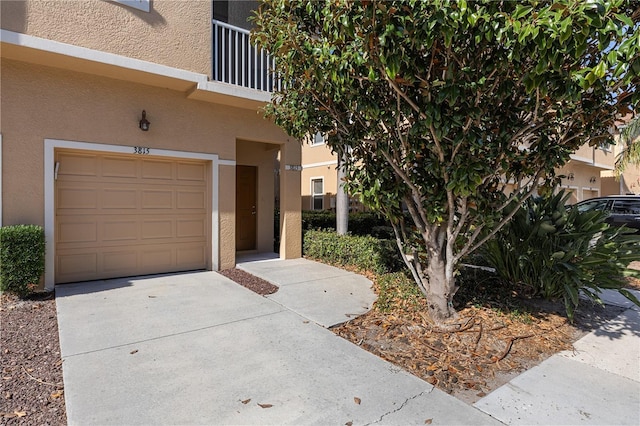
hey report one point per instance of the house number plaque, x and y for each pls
(142, 150)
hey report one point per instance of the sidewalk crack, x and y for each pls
(406, 401)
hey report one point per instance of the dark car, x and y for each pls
(622, 209)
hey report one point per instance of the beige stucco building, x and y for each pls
(588, 174)
(82, 81)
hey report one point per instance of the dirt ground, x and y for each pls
(32, 389)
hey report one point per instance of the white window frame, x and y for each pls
(314, 195)
(144, 5)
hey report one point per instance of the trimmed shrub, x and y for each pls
(363, 252)
(21, 258)
(361, 223)
(558, 252)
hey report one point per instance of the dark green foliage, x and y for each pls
(435, 105)
(362, 223)
(364, 252)
(21, 258)
(556, 251)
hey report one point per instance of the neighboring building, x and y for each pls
(588, 174)
(320, 177)
(81, 81)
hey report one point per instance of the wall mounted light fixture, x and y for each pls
(571, 177)
(592, 179)
(144, 123)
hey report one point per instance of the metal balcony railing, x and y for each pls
(236, 61)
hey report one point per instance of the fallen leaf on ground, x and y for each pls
(57, 394)
(20, 413)
(357, 400)
(348, 424)
(246, 401)
(428, 421)
(133, 352)
(265, 405)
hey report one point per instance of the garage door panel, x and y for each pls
(69, 265)
(119, 230)
(116, 198)
(74, 164)
(76, 198)
(119, 167)
(78, 232)
(191, 172)
(157, 169)
(120, 260)
(190, 228)
(154, 229)
(133, 216)
(191, 200)
(157, 199)
(190, 257)
(156, 258)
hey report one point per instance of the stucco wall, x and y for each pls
(41, 102)
(173, 33)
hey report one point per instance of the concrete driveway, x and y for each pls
(196, 348)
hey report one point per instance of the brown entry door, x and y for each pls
(246, 207)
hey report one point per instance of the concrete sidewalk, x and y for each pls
(598, 383)
(326, 295)
(197, 348)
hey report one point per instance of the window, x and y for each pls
(318, 139)
(605, 146)
(626, 207)
(586, 206)
(317, 194)
(136, 4)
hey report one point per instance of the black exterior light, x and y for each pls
(144, 123)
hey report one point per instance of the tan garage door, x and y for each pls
(119, 215)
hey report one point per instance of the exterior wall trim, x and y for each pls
(196, 86)
(324, 163)
(50, 145)
(29, 41)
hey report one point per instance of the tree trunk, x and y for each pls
(440, 290)
(342, 201)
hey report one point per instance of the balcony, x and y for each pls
(236, 61)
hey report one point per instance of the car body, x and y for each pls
(621, 209)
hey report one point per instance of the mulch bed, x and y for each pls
(253, 283)
(32, 388)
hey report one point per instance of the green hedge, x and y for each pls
(21, 257)
(363, 252)
(361, 223)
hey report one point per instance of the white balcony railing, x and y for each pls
(237, 62)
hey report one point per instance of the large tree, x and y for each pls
(444, 103)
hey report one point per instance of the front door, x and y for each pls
(246, 207)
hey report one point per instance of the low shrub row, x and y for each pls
(22, 261)
(361, 223)
(363, 252)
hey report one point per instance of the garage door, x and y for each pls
(119, 215)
